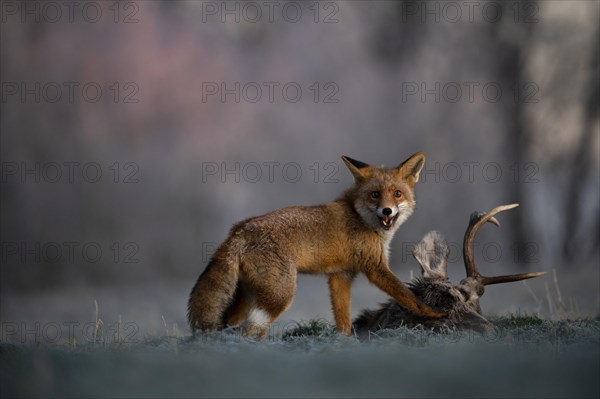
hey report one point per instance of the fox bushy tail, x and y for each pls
(214, 291)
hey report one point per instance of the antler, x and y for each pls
(477, 220)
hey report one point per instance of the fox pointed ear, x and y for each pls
(411, 168)
(359, 170)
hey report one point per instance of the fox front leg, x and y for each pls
(387, 281)
(339, 288)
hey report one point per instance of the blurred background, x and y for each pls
(134, 134)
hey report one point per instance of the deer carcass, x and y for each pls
(459, 301)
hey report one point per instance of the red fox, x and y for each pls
(251, 279)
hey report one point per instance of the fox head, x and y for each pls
(385, 198)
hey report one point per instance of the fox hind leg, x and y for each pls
(240, 308)
(258, 324)
(269, 304)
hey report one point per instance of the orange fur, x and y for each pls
(253, 273)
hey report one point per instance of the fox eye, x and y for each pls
(375, 194)
(397, 194)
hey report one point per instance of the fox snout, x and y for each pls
(388, 216)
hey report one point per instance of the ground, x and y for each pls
(527, 357)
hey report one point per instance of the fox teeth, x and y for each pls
(388, 221)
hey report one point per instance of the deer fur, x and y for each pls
(459, 301)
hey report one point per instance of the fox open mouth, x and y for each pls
(388, 221)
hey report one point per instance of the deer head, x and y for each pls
(460, 301)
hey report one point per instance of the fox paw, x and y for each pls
(438, 315)
(433, 314)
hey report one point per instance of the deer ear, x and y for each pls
(411, 168)
(359, 170)
(432, 253)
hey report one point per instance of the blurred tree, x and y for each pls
(399, 32)
(580, 167)
(513, 41)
